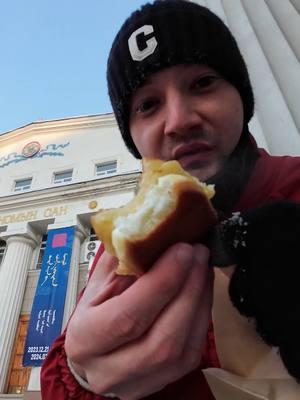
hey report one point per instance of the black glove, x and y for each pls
(264, 243)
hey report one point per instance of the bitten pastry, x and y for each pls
(171, 206)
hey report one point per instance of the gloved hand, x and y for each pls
(264, 243)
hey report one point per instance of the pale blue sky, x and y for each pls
(53, 57)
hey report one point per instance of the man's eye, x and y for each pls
(204, 82)
(146, 105)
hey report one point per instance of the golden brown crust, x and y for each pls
(186, 224)
(191, 218)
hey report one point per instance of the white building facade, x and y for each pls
(53, 174)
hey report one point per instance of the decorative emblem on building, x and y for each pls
(93, 204)
(31, 149)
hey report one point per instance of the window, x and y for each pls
(2, 250)
(106, 168)
(41, 252)
(64, 176)
(22, 184)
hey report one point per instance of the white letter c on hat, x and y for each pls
(136, 53)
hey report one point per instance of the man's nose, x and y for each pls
(181, 115)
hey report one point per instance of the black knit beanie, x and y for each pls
(167, 33)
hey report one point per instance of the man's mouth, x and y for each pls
(192, 154)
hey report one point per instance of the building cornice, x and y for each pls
(75, 191)
(59, 125)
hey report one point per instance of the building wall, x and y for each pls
(268, 32)
(26, 216)
(75, 143)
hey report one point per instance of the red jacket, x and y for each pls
(273, 178)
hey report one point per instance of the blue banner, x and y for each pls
(48, 304)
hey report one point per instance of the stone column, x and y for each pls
(13, 275)
(71, 295)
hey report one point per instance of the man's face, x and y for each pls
(188, 113)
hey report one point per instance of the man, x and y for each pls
(180, 90)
